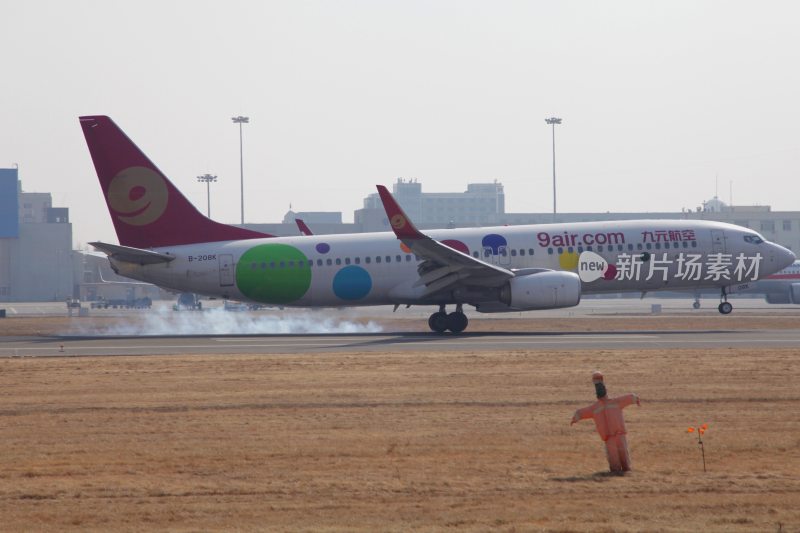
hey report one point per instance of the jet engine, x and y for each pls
(790, 294)
(778, 297)
(795, 292)
(542, 290)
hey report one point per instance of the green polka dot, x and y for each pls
(273, 273)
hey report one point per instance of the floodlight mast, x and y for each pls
(241, 120)
(207, 179)
(553, 121)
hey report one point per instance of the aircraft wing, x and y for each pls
(443, 266)
(132, 255)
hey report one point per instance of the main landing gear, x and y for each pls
(724, 307)
(441, 321)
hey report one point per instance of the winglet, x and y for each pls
(304, 229)
(401, 224)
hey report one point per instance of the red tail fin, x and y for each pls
(304, 229)
(146, 208)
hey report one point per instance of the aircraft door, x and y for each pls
(717, 241)
(225, 270)
(500, 257)
(503, 255)
(488, 255)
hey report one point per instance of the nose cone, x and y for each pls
(783, 256)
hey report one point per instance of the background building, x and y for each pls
(94, 281)
(479, 205)
(35, 244)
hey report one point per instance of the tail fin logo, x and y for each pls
(398, 222)
(137, 196)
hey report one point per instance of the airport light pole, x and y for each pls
(207, 179)
(553, 121)
(241, 120)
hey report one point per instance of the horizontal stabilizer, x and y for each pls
(132, 255)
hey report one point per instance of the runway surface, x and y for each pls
(389, 342)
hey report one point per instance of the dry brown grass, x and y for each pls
(397, 442)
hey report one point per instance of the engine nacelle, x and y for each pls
(543, 290)
(778, 297)
(795, 291)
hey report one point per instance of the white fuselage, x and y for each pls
(373, 268)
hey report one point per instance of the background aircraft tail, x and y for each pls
(146, 208)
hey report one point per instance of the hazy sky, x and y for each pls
(658, 98)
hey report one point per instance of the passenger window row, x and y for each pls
(620, 247)
(504, 252)
(329, 262)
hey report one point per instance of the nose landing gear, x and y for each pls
(724, 307)
(441, 321)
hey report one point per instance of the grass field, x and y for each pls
(397, 442)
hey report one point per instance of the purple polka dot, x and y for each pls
(323, 248)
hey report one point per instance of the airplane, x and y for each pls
(165, 240)
(783, 287)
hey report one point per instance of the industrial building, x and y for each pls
(479, 205)
(35, 244)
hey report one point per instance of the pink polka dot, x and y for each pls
(456, 245)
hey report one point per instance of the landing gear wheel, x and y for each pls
(696, 305)
(725, 308)
(438, 322)
(457, 322)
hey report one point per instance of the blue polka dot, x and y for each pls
(323, 248)
(352, 283)
(494, 241)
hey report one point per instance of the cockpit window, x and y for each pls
(754, 239)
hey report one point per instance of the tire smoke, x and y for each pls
(164, 322)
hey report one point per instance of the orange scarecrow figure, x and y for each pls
(607, 414)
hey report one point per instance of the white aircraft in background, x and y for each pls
(165, 240)
(782, 287)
